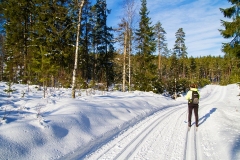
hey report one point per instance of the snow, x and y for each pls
(117, 125)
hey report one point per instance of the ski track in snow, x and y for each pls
(118, 126)
(196, 150)
(145, 138)
(148, 140)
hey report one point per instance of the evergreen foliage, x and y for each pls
(161, 45)
(37, 45)
(146, 47)
(9, 90)
(180, 51)
(232, 28)
(232, 49)
(179, 47)
(2, 54)
(103, 44)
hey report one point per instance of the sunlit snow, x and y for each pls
(117, 125)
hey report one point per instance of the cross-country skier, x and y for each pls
(193, 100)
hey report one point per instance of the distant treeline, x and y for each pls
(38, 41)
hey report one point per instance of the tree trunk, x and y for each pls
(124, 61)
(159, 58)
(129, 61)
(76, 51)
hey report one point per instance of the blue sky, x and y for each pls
(200, 20)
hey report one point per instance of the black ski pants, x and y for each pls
(190, 108)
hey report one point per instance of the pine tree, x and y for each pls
(232, 29)
(181, 50)
(146, 47)
(179, 47)
(160, 40)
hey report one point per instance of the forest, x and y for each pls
(67, 43)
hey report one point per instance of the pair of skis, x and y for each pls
(196, 128)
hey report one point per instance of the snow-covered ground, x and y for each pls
(116, 125)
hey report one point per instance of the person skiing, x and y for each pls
(193, 103)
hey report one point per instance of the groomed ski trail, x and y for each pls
(195, 147)
(163, 135)
(147, 137)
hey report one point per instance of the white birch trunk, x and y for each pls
(76, 51)
(124, 61)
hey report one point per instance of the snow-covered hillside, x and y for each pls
(116, 125)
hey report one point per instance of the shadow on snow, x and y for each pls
(206, 116)
(236, 148)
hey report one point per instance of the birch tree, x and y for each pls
(76, 51)
(131, 12)
(125, 39)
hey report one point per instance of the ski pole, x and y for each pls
(186, 116)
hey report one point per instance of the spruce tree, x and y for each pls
(43, 68)
(145, 74)
(2, 38)
(103, 41)
(36, 23)
(85, 59)
(48, 29)
(2, 56)
(232, 28)
(17, 29)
